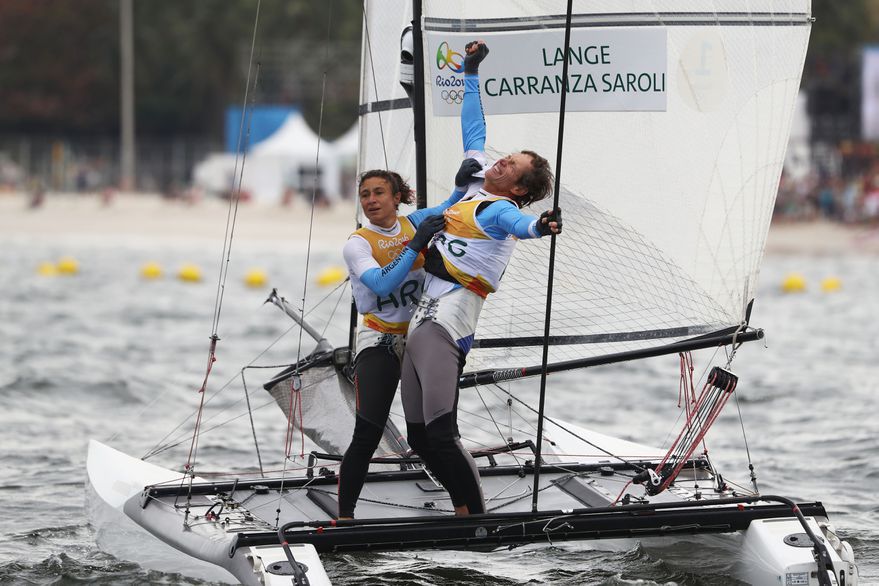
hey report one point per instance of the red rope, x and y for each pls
(288, 439)
(619, 496)
(294, 407)
(301, 426)
(709, 393)
(211, 359)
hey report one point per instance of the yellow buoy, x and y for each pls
(794, 283)
(67, 265)
(151, 270)
(47, 269)
(831, 284)
(331, 276)
(255, 278)
(189, 273)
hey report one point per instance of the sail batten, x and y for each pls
(638, 19)
(384, 106)
(661, 334)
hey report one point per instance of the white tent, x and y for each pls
(288, 160)
(347, 146)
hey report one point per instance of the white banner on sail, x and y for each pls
(610, 70)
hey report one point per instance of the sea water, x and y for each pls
(106, 354)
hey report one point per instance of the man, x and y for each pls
(464, 265)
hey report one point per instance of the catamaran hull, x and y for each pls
(115, 483)
(766, 543)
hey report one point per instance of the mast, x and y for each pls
(555, 204)
(418, 109)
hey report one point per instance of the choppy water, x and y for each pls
(106, 355)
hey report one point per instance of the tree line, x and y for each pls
(59, 62)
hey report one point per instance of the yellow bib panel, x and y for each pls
(472, 257)
(390, 314)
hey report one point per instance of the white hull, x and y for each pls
(115, 478)
(760, 552)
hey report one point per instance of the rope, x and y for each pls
(687, 388)
(294, 409)
(710, 402)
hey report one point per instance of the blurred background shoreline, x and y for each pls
(103, 217)
(122, 96)
(155, 218)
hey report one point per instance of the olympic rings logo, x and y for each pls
(452, 96)
(445, 57)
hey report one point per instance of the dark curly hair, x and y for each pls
(538, 180)
(397, 183)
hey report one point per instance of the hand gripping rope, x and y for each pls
(708, 405)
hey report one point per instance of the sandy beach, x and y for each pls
(149, 216)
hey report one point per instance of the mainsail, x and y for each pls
(676, 129)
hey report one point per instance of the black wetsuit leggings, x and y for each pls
(431, 367)
(376, 374)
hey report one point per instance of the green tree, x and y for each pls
(59, 62)
(58, 66)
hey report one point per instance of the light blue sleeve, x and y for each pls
(418, 216)
(384, 280)
(503, 218)
(472, 117)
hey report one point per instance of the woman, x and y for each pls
(385, 261)
(464, 265)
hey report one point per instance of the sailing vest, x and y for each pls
(472, 257)
(391, 314)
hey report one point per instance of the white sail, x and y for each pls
(668, 182)
(387, 139)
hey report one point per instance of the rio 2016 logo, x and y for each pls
(445, 57)
(452, 96)
(454, 61)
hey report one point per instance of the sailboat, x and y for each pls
(676, 124)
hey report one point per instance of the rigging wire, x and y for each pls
(732, 353)
(161, 446)
(572, 433)
(252, 426)
(231, 217)
(494, 422)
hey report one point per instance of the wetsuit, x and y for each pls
(387, 280)
(463, 266)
